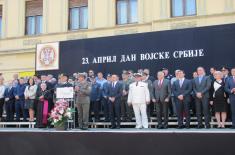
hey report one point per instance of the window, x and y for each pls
(34, 17)
(183, 8)
(0, 21)
(78, 14)
(34, 25)
(126, 11)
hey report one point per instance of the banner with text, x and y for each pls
(174, 49)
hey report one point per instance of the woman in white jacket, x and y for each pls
(30, 96)
(139, 97)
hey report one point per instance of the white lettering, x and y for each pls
(188, 53)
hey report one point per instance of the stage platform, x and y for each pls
(14, 141)
(124, 130)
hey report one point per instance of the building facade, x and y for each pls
(26, 23)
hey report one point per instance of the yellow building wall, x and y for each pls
(17, 51)
(57, 13)
(15, 63)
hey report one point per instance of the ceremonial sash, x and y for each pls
(45, 111)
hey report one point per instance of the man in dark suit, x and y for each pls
(104, 99)
(19, 100)
(182, 89)
(150, 88)
(201, 88)
(114, 98)
(161, 97)
(9, 102)
(230, 89)
(225, 71)
(212, 71)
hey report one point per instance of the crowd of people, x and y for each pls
(119, 98)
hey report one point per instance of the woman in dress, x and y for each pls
(44, 96)
(30, 95)
(218, 99)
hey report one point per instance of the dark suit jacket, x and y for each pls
(163, 92)
(203, 87)
(151, 78)
(229, 85)
(114, 92)
(19, 91)
(150, 87)
(225, 79)
(9, 93)
(185, 90)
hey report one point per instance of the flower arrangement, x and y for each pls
(60, 113)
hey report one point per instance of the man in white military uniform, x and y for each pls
(139, 97)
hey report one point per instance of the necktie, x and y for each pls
(181, 83)
(137, 83)
(113, 85)
(160, 83)
(200, 79)
(234, 79)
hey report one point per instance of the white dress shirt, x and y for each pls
(181, 82)
(114, 84)
(2, 91)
